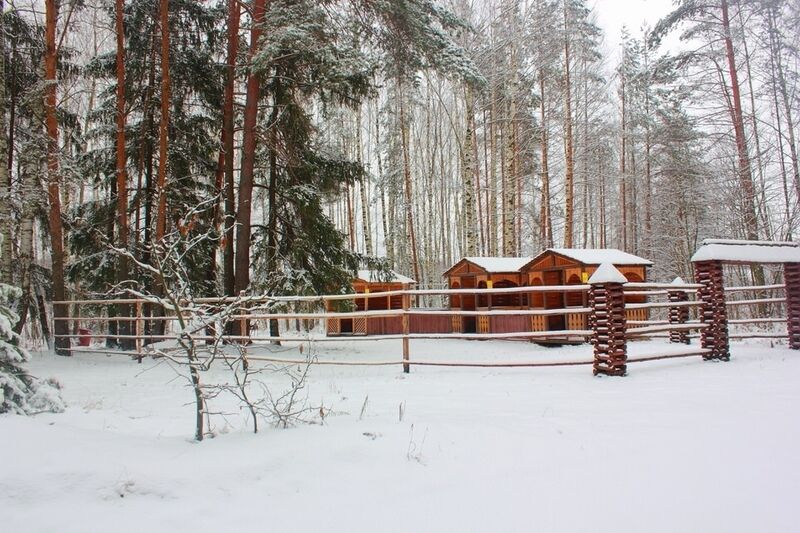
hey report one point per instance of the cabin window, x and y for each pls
(574, 299)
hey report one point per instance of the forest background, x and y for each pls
(286, 143)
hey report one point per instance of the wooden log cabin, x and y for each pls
(371, 282)
(554, 266)
(574, 266)
(488, 272)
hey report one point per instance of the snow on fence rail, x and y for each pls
(604, 307)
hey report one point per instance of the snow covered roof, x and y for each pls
(607, 273)
(747, 251)
(500, 264)
(375, 276)
(598, 256)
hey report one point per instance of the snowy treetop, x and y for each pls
(747, 251)
(597, 256)
(374, 276)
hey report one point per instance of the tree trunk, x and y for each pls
(745, 174)
(6, 247)
(623, 200)
(53, 180)
(365, 222)
(787, 107)
(633, 214)
(29, 170)
(545, 220)
(388, 244)
(763, 206)
(468, 172)
(351, 221)
(247, 173)
(585, 158)
(491, 205)
(480, 222)
(569, 155)
(216, 218)
(228, 272)
(781, 151)
(603, 229)
(272, 205)
(122, 174)
(163, 127)
(510, 175)
(648, 145)
(484, 214)
(409, 207)
(147, 151)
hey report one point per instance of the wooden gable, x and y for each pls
(562, 261)
(465, 266)
(548, 260)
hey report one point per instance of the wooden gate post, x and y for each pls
(244, 324)
(712, 311)
(139, 331)
(607, 320)
(678, 314)
(406, 306)
(791, 277)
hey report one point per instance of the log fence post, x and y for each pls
(244, 326)
(678, 314)
(607, 321)
(791, 277)
(138, 330)
(712, 311)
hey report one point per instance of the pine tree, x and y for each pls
(20, 393)
(195, 106)
(710, 23)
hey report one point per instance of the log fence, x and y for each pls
(689, 311)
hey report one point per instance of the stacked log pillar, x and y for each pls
(713, 312)
(607, 320)
(791, 276)
(678, 315)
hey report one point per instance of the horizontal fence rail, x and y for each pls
(201, 320)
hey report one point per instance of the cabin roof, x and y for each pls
(597, 256)
(375, 276)
(494, 265)
(735, 251)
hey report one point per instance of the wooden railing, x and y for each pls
(261, 309)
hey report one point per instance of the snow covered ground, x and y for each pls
(680, 445)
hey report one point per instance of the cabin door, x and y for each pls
(554, 300)
(470, 323)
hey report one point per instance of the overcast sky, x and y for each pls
(612, 15)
